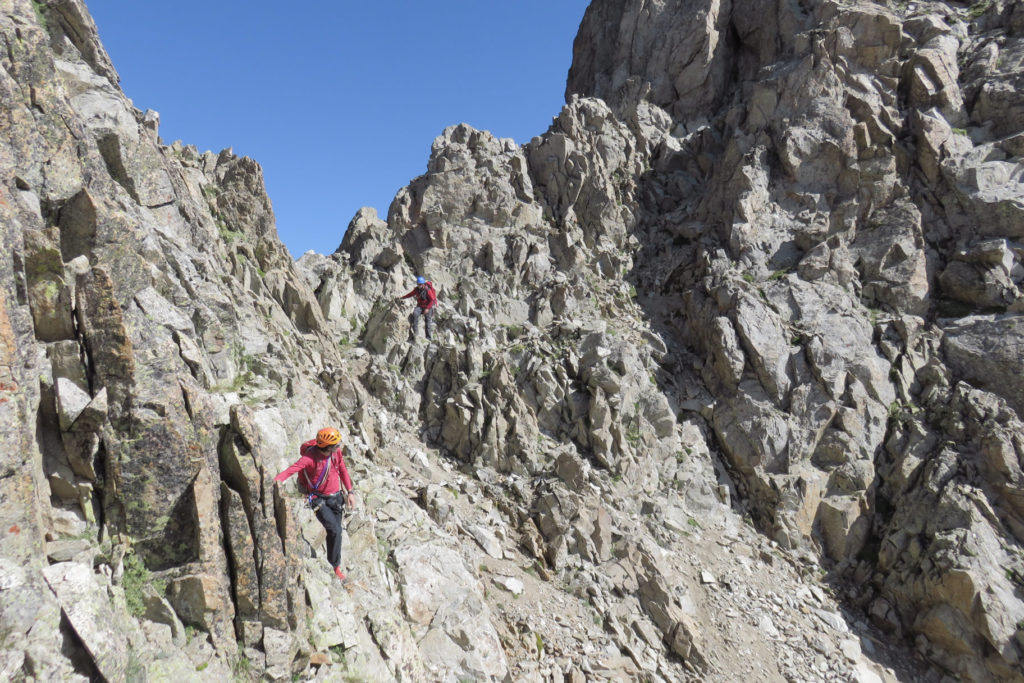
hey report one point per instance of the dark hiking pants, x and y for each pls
(331, 519)
(428, 318)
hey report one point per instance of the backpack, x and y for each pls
(426, 295)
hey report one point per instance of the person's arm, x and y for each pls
(296, 466)
(399, 298)
(346, 481)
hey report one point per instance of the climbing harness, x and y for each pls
(314, 490)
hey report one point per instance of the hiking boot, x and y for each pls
(340, 574)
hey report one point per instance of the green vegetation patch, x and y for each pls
(39, 9)
(978, 8)
(228, 235)
(243, 669)
(135, 577)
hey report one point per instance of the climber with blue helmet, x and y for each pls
(426, 300)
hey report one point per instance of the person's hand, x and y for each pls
(350, 500)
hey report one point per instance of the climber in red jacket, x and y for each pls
(322, 474)
(426, 299)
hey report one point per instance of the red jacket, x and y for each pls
(311, 464)
(425, 295)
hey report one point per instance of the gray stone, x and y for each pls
(158, 610)
(70, 550)
(984, 350)
(280, 647)
(832, 620)
(49, 295)
(161, 311)
(509, 583)
(94, 620)
(570, 468)
(487, 540)
(435, 587)
(71, 401)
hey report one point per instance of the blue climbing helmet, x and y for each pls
(420, 280)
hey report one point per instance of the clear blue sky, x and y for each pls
(339, 100)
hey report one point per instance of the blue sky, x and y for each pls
(339, 101)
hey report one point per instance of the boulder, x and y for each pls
(49, 294)
(437, 590)
(983, 350)
(85, 604)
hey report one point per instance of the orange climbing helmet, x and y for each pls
(328, 436)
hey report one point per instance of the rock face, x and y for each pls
(764, 267)
(831, 181)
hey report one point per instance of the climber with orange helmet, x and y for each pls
(322, 475)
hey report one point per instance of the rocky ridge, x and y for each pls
(726, 381)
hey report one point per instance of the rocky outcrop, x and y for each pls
(843, 193)
(748, 237)
(729, 354)
(146, 291)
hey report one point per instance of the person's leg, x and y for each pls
(331, 521)
(429, 323)
(414, 320)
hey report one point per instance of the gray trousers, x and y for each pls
(428, 317)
